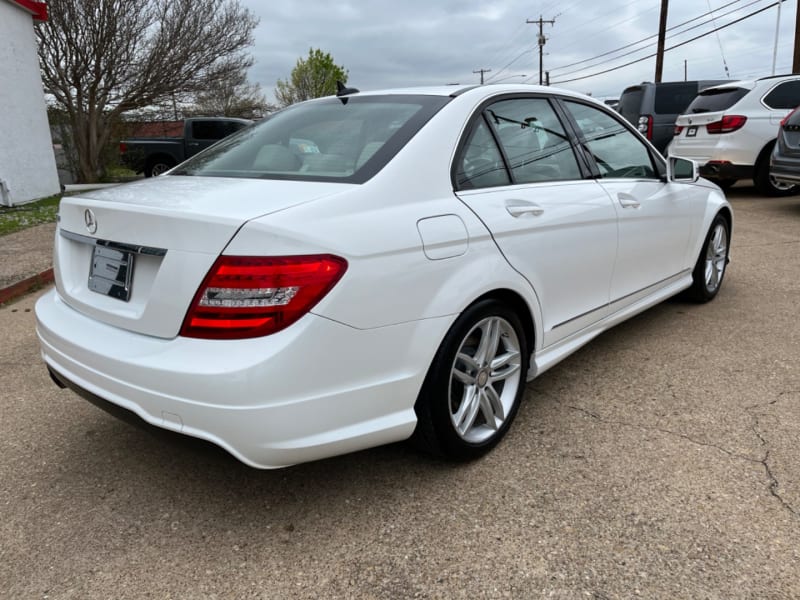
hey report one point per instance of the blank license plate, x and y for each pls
(111, 272)
(692, 131)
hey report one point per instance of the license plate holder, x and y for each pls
(692, 131)
(111, 272)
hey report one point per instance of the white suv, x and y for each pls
(730, 130)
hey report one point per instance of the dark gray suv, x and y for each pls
(653, 107)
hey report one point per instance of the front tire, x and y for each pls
(712, 262)
(474, 386)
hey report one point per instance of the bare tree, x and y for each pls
(101, 58)
(232, 96)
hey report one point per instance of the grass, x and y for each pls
(20, 217)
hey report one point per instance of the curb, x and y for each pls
(21, 288)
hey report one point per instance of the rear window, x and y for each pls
(716, 99)
(673, 98)
(630, 103)
(347, 140)
(215, 130)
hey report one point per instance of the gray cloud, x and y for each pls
(393, 44)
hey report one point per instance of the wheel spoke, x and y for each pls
(504, 366)
(465, 416)
(464, 378)
(496, 403)
(490, 335)
(471, 363)
(487, 409)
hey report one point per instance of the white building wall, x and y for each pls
(27, 163)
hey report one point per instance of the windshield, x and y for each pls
(344, 140)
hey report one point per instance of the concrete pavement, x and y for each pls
(27, 255)
(27, 261)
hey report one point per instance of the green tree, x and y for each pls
(102, 58)
(313, 77)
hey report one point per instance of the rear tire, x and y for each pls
(474, 386)
(157, 166)
(768, 185)
(712, 263)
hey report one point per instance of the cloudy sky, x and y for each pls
(386, 43)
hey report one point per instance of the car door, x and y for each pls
(656, 217)
(518, 170)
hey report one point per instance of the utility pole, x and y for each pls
(662, 34)
(542, 40)
(796, 61)
(482, 71)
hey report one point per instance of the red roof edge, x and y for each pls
(37, 9)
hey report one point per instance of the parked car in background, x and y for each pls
(730, 130)
(365, 268)
(785, 165)
(154, 156)
(653, 107)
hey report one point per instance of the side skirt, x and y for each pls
(547, 357)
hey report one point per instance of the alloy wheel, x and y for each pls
(484, 380)
(716, 257)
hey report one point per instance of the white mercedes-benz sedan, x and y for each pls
(372, 267)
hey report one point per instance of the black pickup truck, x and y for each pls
(153, 156)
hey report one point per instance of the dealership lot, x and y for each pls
(660, 461)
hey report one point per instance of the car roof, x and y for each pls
(477, 90)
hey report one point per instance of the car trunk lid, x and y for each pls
(133, 256)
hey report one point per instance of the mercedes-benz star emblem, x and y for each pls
(90, 220)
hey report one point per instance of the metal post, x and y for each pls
(777, 32)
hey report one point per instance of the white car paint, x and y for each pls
(347, 374)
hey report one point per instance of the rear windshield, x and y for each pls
(343, 140)
(716, 99)
(630, 103)
(673, 98)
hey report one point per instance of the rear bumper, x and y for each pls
(314, 390)
(785, 170)
(725, 170)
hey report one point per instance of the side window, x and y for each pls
(784, 96)
(481, 164)
(536, 144)
(209, 130)
(617, 152)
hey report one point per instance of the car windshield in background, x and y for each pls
(716, 99)
(344, 140)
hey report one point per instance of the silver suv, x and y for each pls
(730, 130)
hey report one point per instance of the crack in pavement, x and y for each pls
(774, 484)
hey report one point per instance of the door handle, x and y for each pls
(628, 201)
(522, 208)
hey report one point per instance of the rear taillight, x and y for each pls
(678, 129)
(123, 147)
(789, 116)
(253, 296)
(728, 124)
(645, 126)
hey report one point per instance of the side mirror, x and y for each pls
(681, 169)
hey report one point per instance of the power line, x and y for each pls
(650, 37)
(633, 62)
(688, 29)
